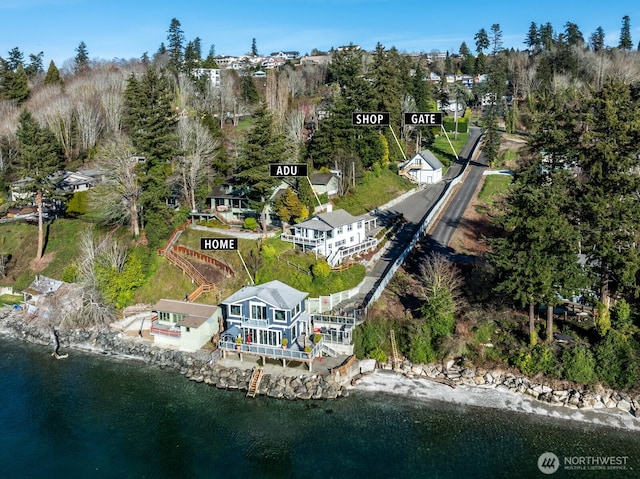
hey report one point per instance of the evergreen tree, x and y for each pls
(191, 59)
(625, 34)
(248, 90)
(262, 146)
(482, 40)
(175, 39)
(533, 37)
(573, 34)
(82, 57)
(15, 59)
(150, 120)
(464, 50)
(608, 158)
(18, 87)
(254, 48)
(38, 159)
(385, 80)
(546, 36)
(35, 65)
(596, 40)
(496, 39)
(53, 75)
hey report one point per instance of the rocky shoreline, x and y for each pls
(570, 398)
(203, 367)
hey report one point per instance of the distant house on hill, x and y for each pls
(423, 168)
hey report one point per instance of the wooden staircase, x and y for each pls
(256, 377)
(394, 351)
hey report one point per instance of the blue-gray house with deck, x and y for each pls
(259, 317)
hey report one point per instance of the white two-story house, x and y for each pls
(335, 235)
(423, 168)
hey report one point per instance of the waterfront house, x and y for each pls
(423, 168)
(336, 235)
(184, 325)
(270, 321)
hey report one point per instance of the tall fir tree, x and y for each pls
(39, 157)
(263, 145)
(175, 47)
(82, 58)
(625, 34)
(150, 120)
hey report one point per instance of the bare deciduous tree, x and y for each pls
(198, 151)
(117, 201)
(8, 144)
(53, 108)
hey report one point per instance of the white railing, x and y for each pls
(301, 239)
(271, 351)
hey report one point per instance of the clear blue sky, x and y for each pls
(128, 28)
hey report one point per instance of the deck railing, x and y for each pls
(271, 351)
(301, 239)
(164, 330)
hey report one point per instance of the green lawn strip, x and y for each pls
(494, 185)
(442, 149)
(373, 192)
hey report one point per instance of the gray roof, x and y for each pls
(321, 178)
(431, 159)
(275, 293)
(328, 221)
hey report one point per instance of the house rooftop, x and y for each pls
(430, 159)
(275, 293)
(328, 221)
(196, 313)
(321, 178)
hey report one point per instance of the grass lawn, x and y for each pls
(442, 149)
(11, 299)
(20, 240)
(262, 269)
(373, 192)
(493, 186)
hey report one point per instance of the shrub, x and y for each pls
(579, 364)
(268, 251)
(250, 223)
(321, 270)
(78, 204)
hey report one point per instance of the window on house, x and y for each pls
(235, 310)
(339, 230)
(258, 311)
(279, 315)
(351, 239)
(359, 224)
(350, 227)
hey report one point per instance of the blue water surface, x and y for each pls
(90, 416)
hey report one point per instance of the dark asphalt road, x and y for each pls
(416, 207)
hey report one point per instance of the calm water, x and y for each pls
(92, 417)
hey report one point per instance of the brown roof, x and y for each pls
(193, 321)
(185, 307)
